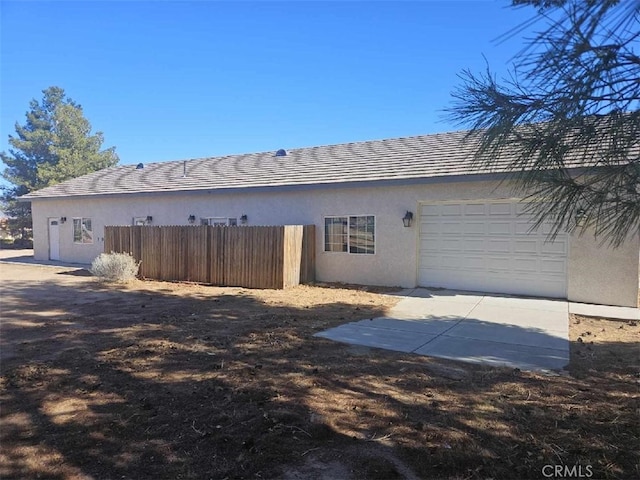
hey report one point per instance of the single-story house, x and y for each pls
(466, 230)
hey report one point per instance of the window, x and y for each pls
(82, 230)
(335, 234)
(219, 221)
(362, 234)
(353, 234)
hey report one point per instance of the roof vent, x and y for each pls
(140, 166)
(281, 153)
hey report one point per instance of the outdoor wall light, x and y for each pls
(581, 216)
(407, 219)
(63, 219)
(149, 219)
(192, 219)
(244, 219)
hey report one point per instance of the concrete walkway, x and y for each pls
(604, 311)
(524, 333)
(25, 257)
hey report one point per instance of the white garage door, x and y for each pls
(487, 247)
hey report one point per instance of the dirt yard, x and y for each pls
(155, 380)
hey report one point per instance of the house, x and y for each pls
(466, 230)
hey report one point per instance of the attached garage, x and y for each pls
(404, 212)
(488, 246)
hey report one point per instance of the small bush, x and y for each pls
(20, 243)
(115, 267)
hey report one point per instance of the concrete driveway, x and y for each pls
(524, 333)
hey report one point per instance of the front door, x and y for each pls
(54, 239)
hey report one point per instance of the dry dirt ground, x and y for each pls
(154, 380)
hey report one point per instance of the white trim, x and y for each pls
(73, 232)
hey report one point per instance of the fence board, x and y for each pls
(150, 252)
(292, 254)
(215, 249)
(196, 255)
(253, 257)
(308, 260)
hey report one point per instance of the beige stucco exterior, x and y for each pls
(595, 274)
(601, 274)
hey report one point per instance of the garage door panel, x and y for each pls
(451, 210)
(522, 227)
(432, 244)
(451, 245)
(451, 227)
(552, 266)
(500, 209)
(505, 283)
(461, 263)
(520, 208)
(448, 262)
(472, 263)
(475, 228)
(489, 247)
(526, 246)
(434, 262)
(557, 247)
(495, 245)
(475, 209)
(525, 264)
(474, 245)
(498, 264)
(499, 228)
(432, 223)
(431, 210)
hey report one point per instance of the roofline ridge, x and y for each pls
(309, 147)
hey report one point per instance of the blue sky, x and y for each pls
(177, 80)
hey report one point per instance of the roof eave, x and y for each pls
(287, 188)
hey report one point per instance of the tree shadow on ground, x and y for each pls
(167, 381)
(80, 272)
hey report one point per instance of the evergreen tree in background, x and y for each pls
(55, 144)
(573, 96)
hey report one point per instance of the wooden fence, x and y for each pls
(253, 257)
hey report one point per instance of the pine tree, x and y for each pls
(55, 144)
(573, 96)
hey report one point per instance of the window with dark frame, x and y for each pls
(335, 234)
(362, 234)
(219, 221)
(352, 234)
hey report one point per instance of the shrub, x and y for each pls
(115, 267)
(22, 243)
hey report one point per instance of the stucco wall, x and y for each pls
(601, 274)
(395, 259)
(394, 262)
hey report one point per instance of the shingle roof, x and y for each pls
(437, 155)
(448, 154)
